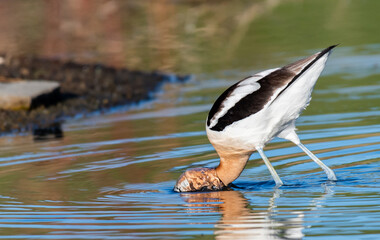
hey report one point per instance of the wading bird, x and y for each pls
(252, 112)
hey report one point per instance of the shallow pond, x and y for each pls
(112, 174)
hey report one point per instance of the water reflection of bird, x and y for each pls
(238, 221)
(241, 219)
(251, 113)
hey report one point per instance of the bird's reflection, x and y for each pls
(242, 220)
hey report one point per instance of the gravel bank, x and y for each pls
(84, 88)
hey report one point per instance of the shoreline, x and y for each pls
(84, 88)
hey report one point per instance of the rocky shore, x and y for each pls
(84, 88)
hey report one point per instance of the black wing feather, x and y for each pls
(254, 102)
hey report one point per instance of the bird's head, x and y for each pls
(198, 179)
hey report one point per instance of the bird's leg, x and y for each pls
(275, 176)
(330, 173)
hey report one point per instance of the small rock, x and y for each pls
(21, 95)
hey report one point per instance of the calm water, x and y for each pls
(112, 175)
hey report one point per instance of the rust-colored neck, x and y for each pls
(231, 165)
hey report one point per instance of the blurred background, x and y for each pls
(183, 36)
(111, 175)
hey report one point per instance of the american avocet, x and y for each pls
(250, 114)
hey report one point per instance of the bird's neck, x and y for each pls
(231, 165)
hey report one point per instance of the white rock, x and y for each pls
(20, 94)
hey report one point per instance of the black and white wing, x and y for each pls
(254, 93)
